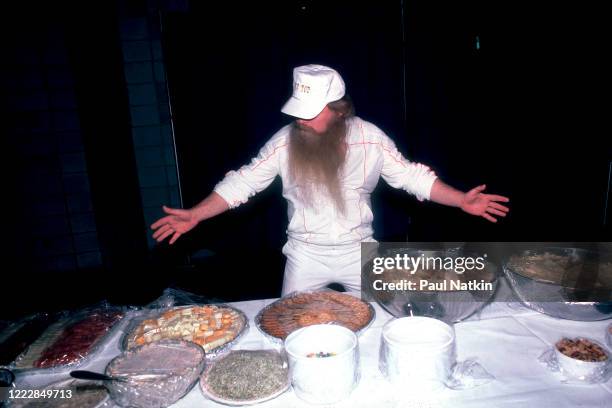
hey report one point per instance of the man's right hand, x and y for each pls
(176, 223)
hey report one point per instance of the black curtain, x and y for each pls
(484, 93)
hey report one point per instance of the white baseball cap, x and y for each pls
(314, 86)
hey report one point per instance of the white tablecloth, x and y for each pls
(506, 339)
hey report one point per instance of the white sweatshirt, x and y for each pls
(371, 154)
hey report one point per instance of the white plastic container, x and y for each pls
(417, 354)
(323, 380)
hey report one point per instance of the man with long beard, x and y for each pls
(329, 161)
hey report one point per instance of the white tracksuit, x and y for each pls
(323, 245)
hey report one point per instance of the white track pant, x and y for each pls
(312, 267)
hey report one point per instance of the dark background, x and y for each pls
(483, 93)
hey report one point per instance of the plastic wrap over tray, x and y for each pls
(155, 375)
(18, 335)
(216, 328)
(72, 340)
(300, 309)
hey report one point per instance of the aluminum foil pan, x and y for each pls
(215, 338)
(314, 312)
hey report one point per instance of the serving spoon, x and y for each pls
(93, 376)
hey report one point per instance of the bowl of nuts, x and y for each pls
(581, 358)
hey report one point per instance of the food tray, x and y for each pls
(19, 335)
(211, 394)
(216, 328)
(157, 374)
(71, 340)
(300, 309)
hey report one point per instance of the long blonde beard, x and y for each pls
(316, 162)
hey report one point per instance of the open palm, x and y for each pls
(475, 202)
(176, 223)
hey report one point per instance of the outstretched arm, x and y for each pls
(233, 190)
(473, 202)
(179, 221)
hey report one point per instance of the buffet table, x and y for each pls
(505, 338)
